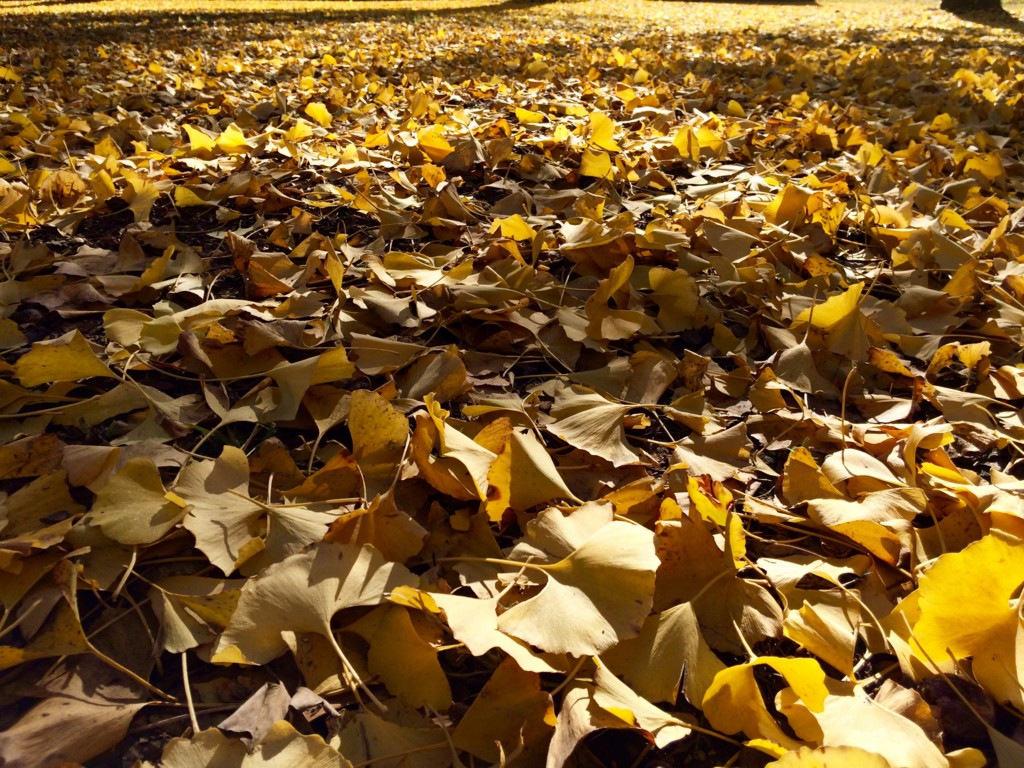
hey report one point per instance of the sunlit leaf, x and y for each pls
(68, 358)
(597, 595)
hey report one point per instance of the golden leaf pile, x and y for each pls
(469, 383)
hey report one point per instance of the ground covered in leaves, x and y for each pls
(461, 384)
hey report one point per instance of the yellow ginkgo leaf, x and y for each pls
(827, 631)
(187, 198)
(958, 617)
(133, 508)
(677, 296)
(394, 632)
(319, 112)
(710, 498)
(232, 141)
(67, 358)
(789, 208)
(831, 757)
(686, 142)
(653, 662)
(193, 610)
(379, 435)
(734, 109)
(433, 143)
(586, 420)
(199, 141)
(513, 227)
(141, 195)
(231, 528)
(734, 703)
(365, 738)
(881, 724)
(989, 166)
(597, 164)
(972, 354)
(602, 132)
(301, 594)
(527, 116)
(598, 595)
(614, 696)
(474, 623)
(833, 310)
(511, 703)
(523, 474)
(888, 361)
(61, 635)
(281, 747)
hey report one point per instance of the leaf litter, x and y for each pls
(480, 384)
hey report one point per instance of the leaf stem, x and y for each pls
(352, 678)
(188, 693)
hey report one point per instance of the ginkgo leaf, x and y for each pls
(67, 358)
(592, 599)
(734, 703)
(957, 618)
(90, 715)
(514, 227)
(373, 355)
(199, 141)
(827, 632)
(831, 757)
(523, 474)
(462, 468)
(474, 623)
(555, 534)
(607, 320)
(62, 635)
(232, 141)
(880, 730)
(597, 164)
(499, 298)
(319, 112)
(834, 310)
(339, 479)
(394, 633)
(258, 714)
(511, 709)
(693, 569)
(233, 529)
(379, 436)
(222, 517)
(141, 195)
(602, 132)
(669, 649)
(789, 207)
(686, 142)
(187, 198)
(433, 143)
(133, 507)
(579, 716)
(529, 116)
(282, 747)
(193, 610)
(390, 530)
(588, 421)
(440, 375)
(676, 293)
(613, 695)
(412, 742)
(302, 594)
